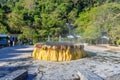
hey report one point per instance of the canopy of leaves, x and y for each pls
(48, 17)
(104, 18)
(3, 29)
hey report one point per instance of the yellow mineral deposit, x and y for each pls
(34, 52)
(68, 54)
(48, 52)
(64, 53)
(53, 56)
(44, 51)
(80, 54)
(58, 52)
(76, 52)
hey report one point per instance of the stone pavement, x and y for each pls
(14, 58)
(103, 63)
(14, 53)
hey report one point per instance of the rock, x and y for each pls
(87, 75)
(16, 75)
(114, 77)
(39, 77)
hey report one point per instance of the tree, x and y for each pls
(105, 18)
(1, 14)
(48, 17)
(28, 34)
(92, 32)
(15, 19)
(108, 19)
(3, 29)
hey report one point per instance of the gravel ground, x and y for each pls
(100, 61)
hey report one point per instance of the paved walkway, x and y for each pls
(104, 64)
(14, 53)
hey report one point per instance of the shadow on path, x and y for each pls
(12, 53)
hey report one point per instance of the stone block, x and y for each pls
(88, 75)
(16, 75)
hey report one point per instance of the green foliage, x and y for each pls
(118, 42)
(105, 18)
(36, 19)
(3, 29)
(29, 34)
(1, 14)
(6, 8)
(92, 32)
(108, 19)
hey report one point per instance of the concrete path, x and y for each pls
(14, 58)
(14, 53)
(104, 63)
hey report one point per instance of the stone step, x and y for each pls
(16, 75)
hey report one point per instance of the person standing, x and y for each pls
(11, 41)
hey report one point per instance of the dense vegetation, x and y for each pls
(36, 19)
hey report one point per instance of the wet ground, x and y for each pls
(101, 61)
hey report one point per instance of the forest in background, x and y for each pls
(36, 19)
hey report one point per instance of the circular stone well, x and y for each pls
(58, 52)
